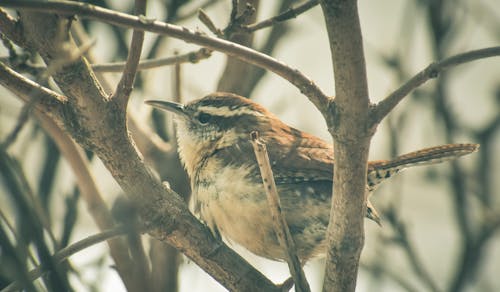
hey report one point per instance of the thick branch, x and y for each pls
(384, 107)
(304, 84)
(347, 124)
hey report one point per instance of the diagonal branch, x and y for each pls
(303, 83)
(48, 101)
(280, 225)
(383, 108)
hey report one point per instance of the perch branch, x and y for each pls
(280, 225)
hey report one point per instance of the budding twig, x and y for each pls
(280, 226)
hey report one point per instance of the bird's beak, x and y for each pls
(176, 108)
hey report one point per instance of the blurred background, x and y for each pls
(440, 223)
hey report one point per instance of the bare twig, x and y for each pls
(383, 108)
(191, 57)
(304, 84)
(66, 252)
(280, 225)
(124, 87)
(292, 12)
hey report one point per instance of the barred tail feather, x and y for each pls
(380, 170)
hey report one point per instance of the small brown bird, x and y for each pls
(214, 144)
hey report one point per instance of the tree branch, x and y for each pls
(347, 122)
(384, 107)
(304, 84)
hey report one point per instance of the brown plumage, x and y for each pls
(214, 145)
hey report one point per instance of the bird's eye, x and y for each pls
(204, 118)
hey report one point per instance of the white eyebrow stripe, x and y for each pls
(226, 111)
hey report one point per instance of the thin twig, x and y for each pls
(303, 83)
(66, 252)
(191, 57)
(124, 87)
(292, 12)
(280, 225)
(383, 108)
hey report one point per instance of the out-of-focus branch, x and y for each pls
(383, 108)
(93, 198)
(381, 269)
(68, 251)
(405, 243)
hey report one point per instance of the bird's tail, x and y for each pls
(383, 169)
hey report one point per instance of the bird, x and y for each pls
(213, 137)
